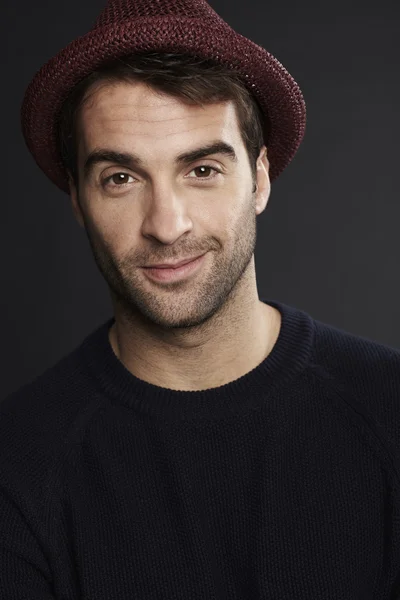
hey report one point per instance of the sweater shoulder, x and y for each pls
(42, 422)
(363, 377)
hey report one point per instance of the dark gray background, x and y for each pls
(328, 242)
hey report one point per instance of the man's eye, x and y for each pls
(205, 167)
(119, 179)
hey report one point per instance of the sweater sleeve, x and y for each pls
(24, 572)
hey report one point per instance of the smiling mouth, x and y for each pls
(173, 265)
(175, 273)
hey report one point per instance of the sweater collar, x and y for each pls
(287, 359)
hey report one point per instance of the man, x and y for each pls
(172, 324)
(202, 443)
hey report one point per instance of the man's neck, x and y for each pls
(223, 357)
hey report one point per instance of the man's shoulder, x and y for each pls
(361, 354)
(363, 376)
(42, 420)
(46, 390)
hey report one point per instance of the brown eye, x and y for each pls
(201, 169)
(120, 178)
(116, 180)
(208, 168)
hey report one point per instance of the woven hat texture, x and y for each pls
(182, 26)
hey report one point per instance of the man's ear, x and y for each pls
(76, 207)
(263, 181)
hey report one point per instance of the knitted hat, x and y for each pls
(181, 26)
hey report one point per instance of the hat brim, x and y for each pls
(278, 95)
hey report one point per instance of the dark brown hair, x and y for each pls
(192, 79)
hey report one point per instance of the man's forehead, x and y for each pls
(136, 103)
(124, 117)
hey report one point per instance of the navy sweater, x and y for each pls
(281, 485)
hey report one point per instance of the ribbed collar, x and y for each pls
(289, 356)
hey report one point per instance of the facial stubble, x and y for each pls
(193, 303)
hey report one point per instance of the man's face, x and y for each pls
(163, 210)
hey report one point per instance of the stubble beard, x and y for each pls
(185, 304)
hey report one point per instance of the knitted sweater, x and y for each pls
(282, 485)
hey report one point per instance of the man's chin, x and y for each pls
(170, 310)
(177, 318)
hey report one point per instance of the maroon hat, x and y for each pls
(181, 26)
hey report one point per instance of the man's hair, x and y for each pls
(189, 78)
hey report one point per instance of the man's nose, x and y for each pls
(166, 213)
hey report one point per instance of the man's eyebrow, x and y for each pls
(131, 160)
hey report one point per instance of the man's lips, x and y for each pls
(174, 272)
(173, 265)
